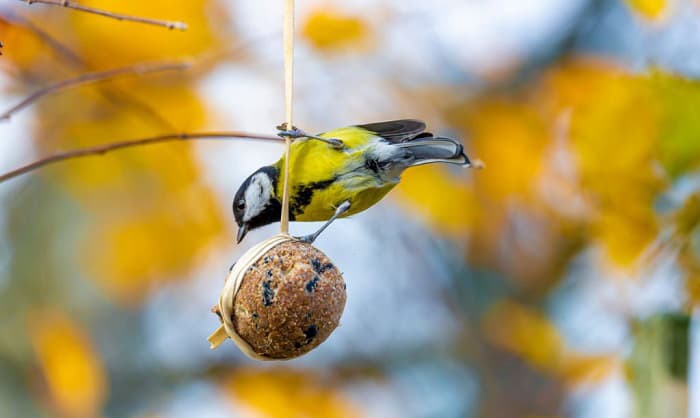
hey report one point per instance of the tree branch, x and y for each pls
(114, 95)
(113, 146)
(95, 77)
(52, 43)
(71, 5)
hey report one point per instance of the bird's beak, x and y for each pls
(242, 230)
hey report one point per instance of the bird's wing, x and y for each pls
(396, 130)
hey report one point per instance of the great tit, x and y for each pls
(340, 173)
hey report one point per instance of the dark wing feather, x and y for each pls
(396, 130)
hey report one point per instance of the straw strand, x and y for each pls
(288, 39)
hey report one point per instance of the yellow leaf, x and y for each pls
(514, 139)
(287, 393)
(625, 235)
(22, 49)
(578, 368)
(129, 252)
(75, 376)
(510, 138)
(614, 138)
(107, 43)
(526, 333)
(444, 199)
(328, 29)
(151, 215)
(648, 8)
(530, 335)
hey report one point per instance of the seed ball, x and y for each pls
(289, 301)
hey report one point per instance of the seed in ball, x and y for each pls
(289, 301)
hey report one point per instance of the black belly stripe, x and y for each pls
(303, 194)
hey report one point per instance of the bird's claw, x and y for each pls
(335, 143)
(296, 133)
(309, 239)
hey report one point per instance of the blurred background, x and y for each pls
(558, 282)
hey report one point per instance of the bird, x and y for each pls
(340, 172)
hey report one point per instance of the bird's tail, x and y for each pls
(436, 150)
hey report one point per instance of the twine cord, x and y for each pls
(288, 41)
(235, 277)
(229, 292)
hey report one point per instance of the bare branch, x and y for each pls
(95, 77)
(113, 146)
(112, 94)
(72, 5)
(54, 44)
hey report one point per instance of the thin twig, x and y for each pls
(113, 95)
(95, 77)
(113, 146)
(145, 20)
(199, 64)
(46, 39)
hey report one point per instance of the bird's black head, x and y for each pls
(256, 203)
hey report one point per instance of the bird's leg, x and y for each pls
(296, 133)
(338, 211)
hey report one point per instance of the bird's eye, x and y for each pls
(240, 205)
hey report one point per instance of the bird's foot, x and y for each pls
(341, 209)
(296, 133)
(293, 132)
(309, 239)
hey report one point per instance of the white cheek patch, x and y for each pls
(257, 196)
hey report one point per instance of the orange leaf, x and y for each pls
(21, 47)
(74, 373)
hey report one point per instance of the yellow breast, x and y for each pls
(321, 177)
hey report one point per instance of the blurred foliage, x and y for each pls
(27, 46)
(591, 170)
(531, 336)
(96, 41)
(330, 29)
(648, 8)
(434, 205)
(123, 248)
(636, 127)
(286, 393)
(73, 371)
(658, 366)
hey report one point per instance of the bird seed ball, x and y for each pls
(289, 301)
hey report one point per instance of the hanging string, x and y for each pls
(288, 40)
(235, 278)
